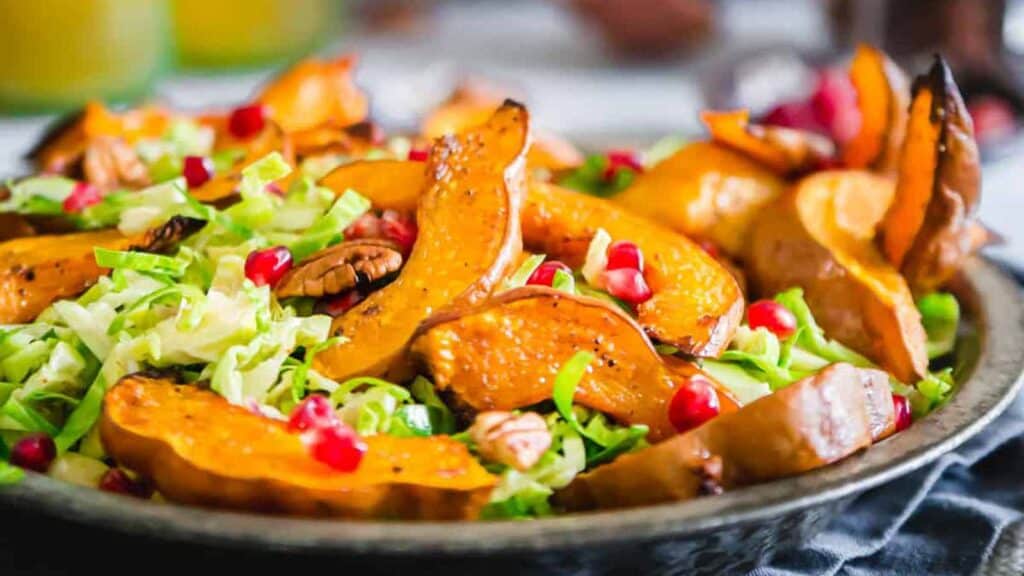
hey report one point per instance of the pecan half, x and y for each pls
(110, 162)
(333, 270)
(518, 440)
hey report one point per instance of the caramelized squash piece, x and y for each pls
(697, 303)
(783, 150)
(819, 237)
(704, 191)
(927, 231)
(469, 237)
(36, 271)
(883, 97)
(505, 353)
(810, 424)
(198, 449)
(315, 92)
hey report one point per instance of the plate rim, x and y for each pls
(997, 307)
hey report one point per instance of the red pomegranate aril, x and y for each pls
(771, 316)
(247, 121)
(337, 446)
(419, 154)
(338, 305)
(313, 412)
(694, 403)
(82, 196)
(901, 412)
(993, 118)
(117, 481)
(621, 159)
(366, 226)
(795, 115)
(34, 452)
(624, 254)
(198, 171)
(275, 189)
(266, 267)
(835, 105)
(710, 248)
(544, 275)
(626, 284)
(401, 230)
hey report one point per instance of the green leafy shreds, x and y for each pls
(940, 316)
(518, 278)
(39, 195)
(591, 178)
(329, 228)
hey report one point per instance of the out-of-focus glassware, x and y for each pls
(57, 54)
(249, 33)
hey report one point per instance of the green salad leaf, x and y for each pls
(940, 315)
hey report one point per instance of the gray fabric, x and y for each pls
(964, 514)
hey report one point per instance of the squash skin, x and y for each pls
(198, 449)
(704, 191)
(927, 232)
(697, 303)
(469, 237)
(883, 97)
(505, 354)
(819, 237)
(784, 150)
(810, 424)
(315, 92)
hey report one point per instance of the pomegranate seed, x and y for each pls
(419, 154)
(993, 118)
(626, 284)
(366, 226)
(82, 196)
(795, 115)
(198, 171)
(544, 275)
(313, 412)
(835, 105)
(337, 446)
(247, 121)
(901, 410)
(772, 316)
(619, 159)
(34, 452)
(117, 481)
(710, 248)
(401, 230)
(694, 403)
(625, 254)
(338, 305)
(275, 189)
(267, 266)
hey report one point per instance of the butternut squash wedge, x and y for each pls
(819, 236)
(505, 353)
(315, 92)
(705, 191)
(883, 97)
(927, 231)
(469, 237)
(697, 303)
(810, 424)
(783, 150)
(198, 449)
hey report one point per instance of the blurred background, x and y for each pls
(602, 72)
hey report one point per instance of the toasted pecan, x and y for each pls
(518, 440)
(333, 270)
(110, 162)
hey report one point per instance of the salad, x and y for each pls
(282, 309)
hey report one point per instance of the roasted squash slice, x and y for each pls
(927, 231)
(36, 271)
(198, 449)
(697, 303)
(819, 237)
(469, 237)
(883, 97)
(315, 92)
(810, 424)
(505, 353)
(784, 150)
(704, 191)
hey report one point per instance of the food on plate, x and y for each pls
(282, 308)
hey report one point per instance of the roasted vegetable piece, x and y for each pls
(198, 449)
(784, 150)
(704, 191)
(697, 303)
(505, 353)
(883, 97)
(468, 218)
(810, 424)
(819, 237)
(927, 231)
(315, 92)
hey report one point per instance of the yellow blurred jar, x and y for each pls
(57, 54)
(243, 33)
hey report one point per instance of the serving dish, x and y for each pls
(722, 534)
